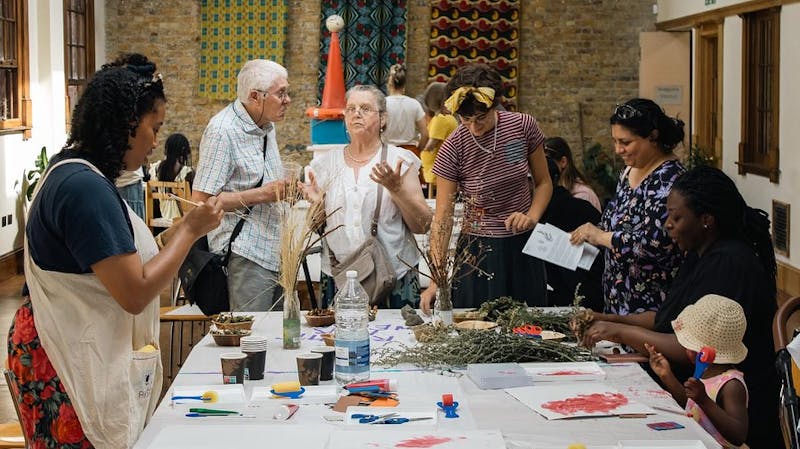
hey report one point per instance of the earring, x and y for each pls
(705, 226)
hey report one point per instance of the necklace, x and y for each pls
(353, 159)
(494, 143)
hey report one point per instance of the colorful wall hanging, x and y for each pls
(233, 32)
(467, 32)
(373, 39)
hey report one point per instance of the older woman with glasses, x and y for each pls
(487, 160)
(640, 258)
(349, 181)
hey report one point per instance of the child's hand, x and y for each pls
(696, 390)
(658, 362)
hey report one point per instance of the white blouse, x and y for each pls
(355, 199)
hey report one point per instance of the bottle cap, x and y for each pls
(352, 274)
(392, 384)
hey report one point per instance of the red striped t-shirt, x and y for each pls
(494, 180)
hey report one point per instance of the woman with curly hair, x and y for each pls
(87, 369)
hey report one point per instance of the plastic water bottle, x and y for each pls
(352, 333)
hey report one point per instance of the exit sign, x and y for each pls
(710, 2)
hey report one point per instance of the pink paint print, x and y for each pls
(424, 442)
(587, 403)
(567, 373)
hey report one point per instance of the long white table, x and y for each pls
(521, 427)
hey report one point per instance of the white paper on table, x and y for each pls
(577, 400)
(231, 393)
(314, 394)
(204, 435)
(399, 437)
(674, 444)
(563, 371)
(551, 244)
(400, 413)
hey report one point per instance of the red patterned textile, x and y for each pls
(464, 32)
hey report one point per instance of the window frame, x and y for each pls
(760, 94)
(708, 114)
(89, 55)
(22, 122)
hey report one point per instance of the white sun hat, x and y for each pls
(714, 321)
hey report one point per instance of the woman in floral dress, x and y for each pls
(640, 258)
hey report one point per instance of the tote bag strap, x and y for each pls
(378, 198)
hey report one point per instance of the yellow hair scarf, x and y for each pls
(484, 95)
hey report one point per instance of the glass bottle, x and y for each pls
(443, 307)
(291, 320)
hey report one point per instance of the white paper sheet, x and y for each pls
(416, 437)
(245, 436)
(563, 372)
(676, 444)
(551, 244)
(577, 400)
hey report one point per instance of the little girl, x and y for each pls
(718, 400)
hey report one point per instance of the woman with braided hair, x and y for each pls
(729, 253)
(87, 370)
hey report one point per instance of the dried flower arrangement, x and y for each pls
(299, 223)
(461, 258)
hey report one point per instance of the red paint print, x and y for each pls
(589, 403)
(426, 441)
(566, 373)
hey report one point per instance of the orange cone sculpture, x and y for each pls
(327, 124)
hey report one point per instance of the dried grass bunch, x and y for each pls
(299, 223)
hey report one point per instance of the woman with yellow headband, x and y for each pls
(486, 162)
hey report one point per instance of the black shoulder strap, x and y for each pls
(240, 224)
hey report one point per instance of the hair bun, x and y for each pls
(146, 70)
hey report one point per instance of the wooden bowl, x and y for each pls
(320, 320)
(476, 325)
(228, 339)
(239, 325)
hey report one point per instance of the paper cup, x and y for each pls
(233, 367)
(308, 368)
(328, 359)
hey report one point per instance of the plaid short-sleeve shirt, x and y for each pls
(232, 159)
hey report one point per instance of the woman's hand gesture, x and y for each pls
(311, 191)
(383, 174)
(586, 232)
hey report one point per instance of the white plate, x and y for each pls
(561, 372)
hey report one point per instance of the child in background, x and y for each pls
(718, 400)
(441, 124)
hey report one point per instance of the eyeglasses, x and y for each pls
(479, 118)
(626, 111)
(362, 110)
(281, 95)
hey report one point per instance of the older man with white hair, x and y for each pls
(241, 166)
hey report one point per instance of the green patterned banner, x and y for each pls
(233, 32)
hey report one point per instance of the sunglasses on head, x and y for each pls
(626, 111)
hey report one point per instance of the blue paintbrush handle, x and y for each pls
(199, 398)
(699, 366)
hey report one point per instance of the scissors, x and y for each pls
(399, 420)
(365, 418)
(529, 330)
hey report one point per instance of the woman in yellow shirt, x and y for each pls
(439, 127)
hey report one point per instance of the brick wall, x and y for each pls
(573, 54)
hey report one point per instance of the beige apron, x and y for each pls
(91, 342)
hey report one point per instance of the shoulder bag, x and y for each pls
(370, 260)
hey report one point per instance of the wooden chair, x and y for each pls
(784, 327)
(12, 430)
(156, 191)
